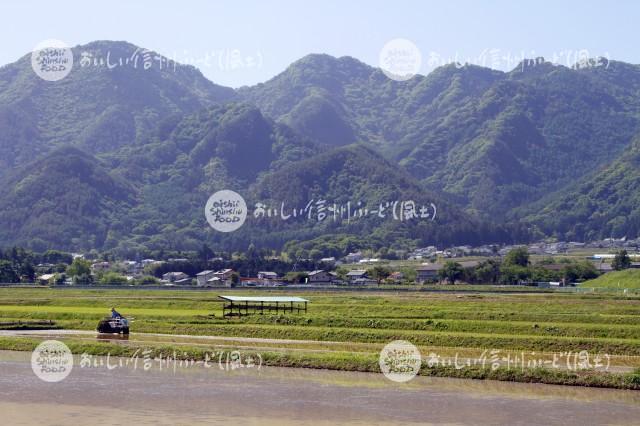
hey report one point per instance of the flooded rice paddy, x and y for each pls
(124, 394)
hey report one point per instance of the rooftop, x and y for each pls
(285, 299)
(430, 267)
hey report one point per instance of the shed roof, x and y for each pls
(430, 267)
(263, 299)
(46, 276)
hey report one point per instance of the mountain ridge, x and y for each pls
(488, 143)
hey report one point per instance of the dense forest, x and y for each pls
(124, 159)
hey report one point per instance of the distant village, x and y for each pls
(420, 266)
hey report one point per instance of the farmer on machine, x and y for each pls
(114, 324)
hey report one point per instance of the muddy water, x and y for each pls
(266, 396)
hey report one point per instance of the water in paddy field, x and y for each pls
(282, 396)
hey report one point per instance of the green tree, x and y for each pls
(235, 279)
(379, 273)
(55, 256)
(450, 272)
(586, 270)
(518, 256)
(80, 271)
(383, 253)
(514, 274)
(113, 278)
(7, 272)
(579, 271)
(60, 267)
(27, 270)
(315, 254)
(540, 273)
(621, 261)
(205, 253)
(147, 280)
(410, 274)
(296, 277)
(60, 279)
(252, 252)
(301, 254)
(487, 272)
(83, 279)
(342, 272)
(79, 267)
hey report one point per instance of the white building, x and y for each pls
(267, 275)
(203, 277)
(175, 277)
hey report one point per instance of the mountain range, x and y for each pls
(123, 157)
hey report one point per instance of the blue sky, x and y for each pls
(269, 35)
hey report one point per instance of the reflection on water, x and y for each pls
(115, 337)
(476, 387)
(55, 414)
(198, 395)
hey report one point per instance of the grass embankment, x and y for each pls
(361, 323)
(619, 280)
(345, 361)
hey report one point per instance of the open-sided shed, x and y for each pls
(243, 305)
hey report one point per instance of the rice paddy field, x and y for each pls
(535, 337)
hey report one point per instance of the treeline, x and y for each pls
(516, 268)
(19, 265)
